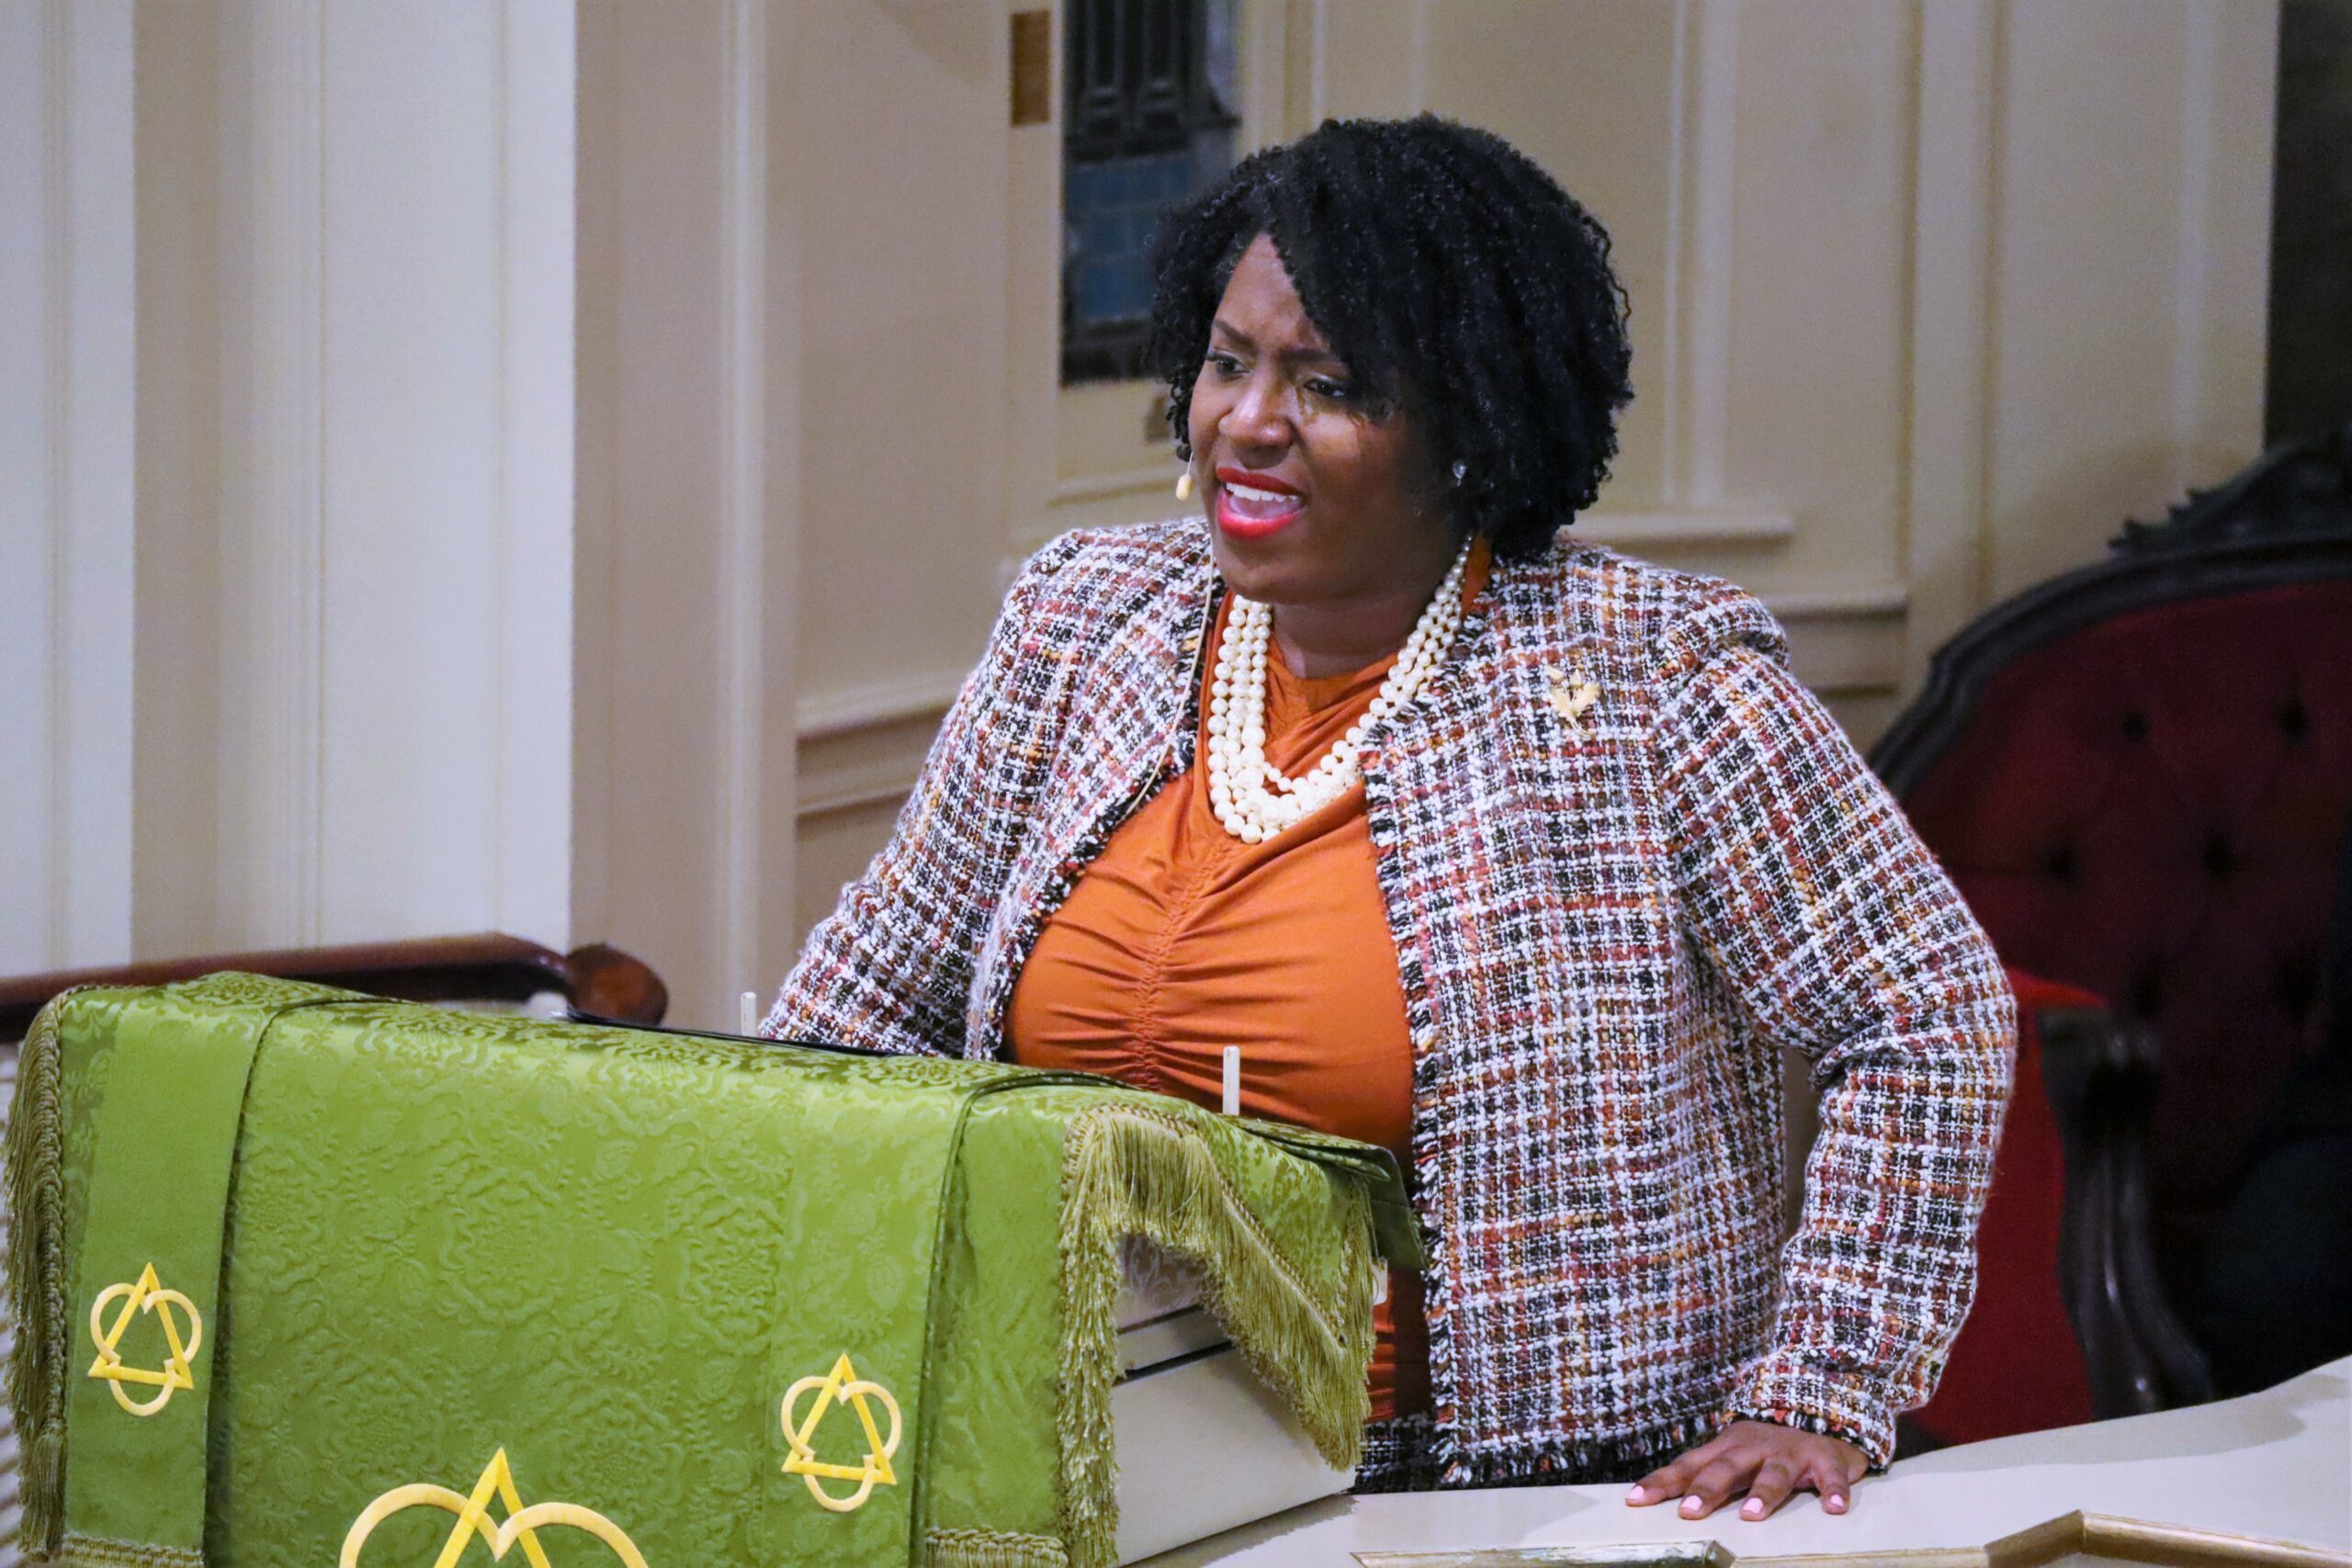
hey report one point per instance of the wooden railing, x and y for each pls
(597, 980)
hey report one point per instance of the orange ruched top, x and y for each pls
(1181, 940)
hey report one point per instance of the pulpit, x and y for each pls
(301, 1273)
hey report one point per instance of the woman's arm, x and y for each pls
(1808, 891)
(890, 969)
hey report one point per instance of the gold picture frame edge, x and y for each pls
(2184, 1546)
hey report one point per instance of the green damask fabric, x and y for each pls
(161, 1088)
(607, 1255)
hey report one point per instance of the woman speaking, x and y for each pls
(1518, 857)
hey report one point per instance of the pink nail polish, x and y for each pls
(1753, 1508)
(1638, 1494)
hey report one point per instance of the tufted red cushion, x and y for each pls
(2017, 1366)
(2150, 808)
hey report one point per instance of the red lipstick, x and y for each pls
(1268, 505)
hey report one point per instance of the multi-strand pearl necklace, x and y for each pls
(1251, 798)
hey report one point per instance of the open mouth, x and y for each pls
(1252, 508)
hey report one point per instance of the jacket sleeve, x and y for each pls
(890, 969)
(1808, 892)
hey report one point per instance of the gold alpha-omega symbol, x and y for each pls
(473, 1520)
(147, 1295)
(843, 1386)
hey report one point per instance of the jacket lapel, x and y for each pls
(1128, 731)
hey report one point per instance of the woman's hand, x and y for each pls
(1763, 1459)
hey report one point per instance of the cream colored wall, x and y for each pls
(356, 439)
(909, 362)
(66, 412)
(748, 657)
(681, 779)
(299, 527)
(1927, 299)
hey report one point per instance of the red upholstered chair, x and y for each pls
(2140, 774)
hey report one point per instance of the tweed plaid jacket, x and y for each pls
(1609, 923)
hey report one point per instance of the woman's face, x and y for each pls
(1312, 501)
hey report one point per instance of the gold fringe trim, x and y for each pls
(96, 1552)
(1130, 1171)
(37, 1370)
(991, 1548)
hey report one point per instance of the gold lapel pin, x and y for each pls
(1572, 702)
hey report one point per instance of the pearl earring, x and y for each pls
(1185, 485)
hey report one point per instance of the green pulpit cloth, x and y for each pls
(306, 1278)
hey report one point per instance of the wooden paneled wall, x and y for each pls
(1927, 299)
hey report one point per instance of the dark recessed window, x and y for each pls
(2309, 366)
(1148, 120)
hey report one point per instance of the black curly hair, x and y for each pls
(1457, 280)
